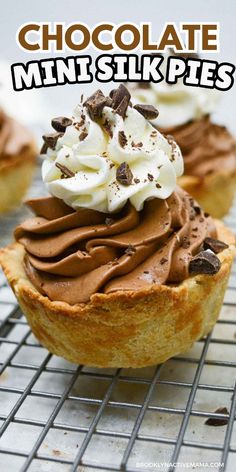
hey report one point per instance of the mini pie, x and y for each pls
(17, 162)
(119, 267)
(209, 150)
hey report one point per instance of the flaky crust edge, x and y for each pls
(16, 174)
(214, 192)
(123, 329)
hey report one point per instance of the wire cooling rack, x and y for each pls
(56, 416)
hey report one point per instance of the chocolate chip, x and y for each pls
(83, 135)
(136, 180)
(130, 250)
(67, 173)
(158, 185)
(120, 100)
(204, 263)
(218, 421)
(122, 138)
(150, 177)
(148, 111)
(60, 123)
(95, 104)
(107, 127)
(122, 107)
(109, 221)
(214, 245)
(108, 102)
(51, 139)
(124, 174)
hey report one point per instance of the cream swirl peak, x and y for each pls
(177, 103)
(109, 153)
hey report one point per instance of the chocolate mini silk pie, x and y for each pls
(17, 161)
(209, 150)
(118, 267)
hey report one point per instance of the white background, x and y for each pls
(61, 100)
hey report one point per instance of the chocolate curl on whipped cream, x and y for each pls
(109, 153)
(71, 255)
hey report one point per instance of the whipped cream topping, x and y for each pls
(177, 103)
(91, 151)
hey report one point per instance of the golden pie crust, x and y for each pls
(16, 173)
(214, 192)
(123, 329)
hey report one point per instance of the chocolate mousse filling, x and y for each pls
(71, 255)
(206, 147)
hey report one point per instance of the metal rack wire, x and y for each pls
(55, 416)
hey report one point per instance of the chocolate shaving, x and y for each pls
(153, 134)
(60, 123)
(124, 174)
(137, 145)
(122, 107)
(214, 245)
(95, 104)
(136, 180)
(120, 100)
(67, 173)
(122, 139)
(83, 135)
(50, 139)
(107, 127)
(44, 148)
(130, 250)
(80, 123)
(148, 111)
(169, 138)
(218, 421)
(204, 263)
(158, 185)
(150, 177)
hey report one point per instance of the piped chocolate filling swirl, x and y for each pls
(71, 255)
(206, 147)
